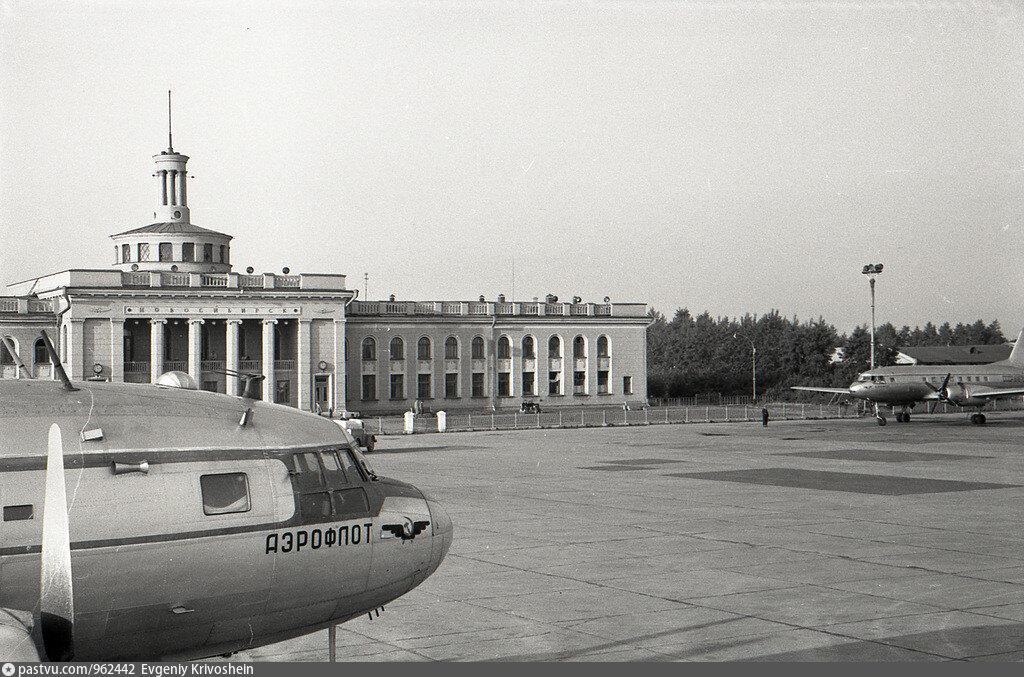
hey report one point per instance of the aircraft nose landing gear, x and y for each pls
(880, 419)
(978, 419)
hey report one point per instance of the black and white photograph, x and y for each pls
(517, 331)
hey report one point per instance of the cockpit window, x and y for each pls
(307, 471)
(334, 472)
(225, 493)
(360, 462)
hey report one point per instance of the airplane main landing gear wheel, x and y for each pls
(978, 419)
(881, 420)
(903, 417)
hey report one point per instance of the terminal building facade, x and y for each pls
(172, 301)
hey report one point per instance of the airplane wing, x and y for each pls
(987, 393)
(837, 391)
(16, 644)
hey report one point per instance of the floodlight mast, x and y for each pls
(871, 270)
(753, 361)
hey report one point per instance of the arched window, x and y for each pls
(504, 348)
(423, 349)
(451, 348)
(397, 349)
(369, 349)
(579, 347)
(478, 348)
(529, 352)
(554, 347)
(602, 346)
(39, 353)
(5, 355)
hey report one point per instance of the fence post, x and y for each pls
(686, 415)
(559, 418)
(783, 411)
(707, 413)
(581, 417)
(515, 420)
(380, 425)
(727, 413)
(646, 422)
(604, 416)
(803, 411)
(492, 420)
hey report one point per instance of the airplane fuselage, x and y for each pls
(234, 536)
(907, 384)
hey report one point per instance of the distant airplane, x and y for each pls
(147, 522)
(963, 385)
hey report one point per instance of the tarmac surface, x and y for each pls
(828, 540)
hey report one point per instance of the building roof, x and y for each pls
(976, 354)
(172, 227)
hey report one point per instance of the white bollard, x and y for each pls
(410, 422)
(442, 421)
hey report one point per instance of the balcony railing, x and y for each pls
(284, 365)
(208, 280)
(500, 308)
(175, 365)
(212, 365)
(8, 305)
(250, 281)
(136, 367)
(250, 365)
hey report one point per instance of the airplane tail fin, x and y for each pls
(1016, 357)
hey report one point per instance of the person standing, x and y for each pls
(764, 416)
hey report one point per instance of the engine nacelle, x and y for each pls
(961, 396)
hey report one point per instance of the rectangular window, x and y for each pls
(307, 473)
(369, 387)
(315, 506)
(143, 251)
(478, 384)
(225, 493)
(528, 377)
(165, 252)
(627, 385)
(579, 383)
(451, 386)
(350, 503)
(398, 386)
(554, 383)
(333, 471)
(13, 513)
(602, 383)
(188, 251)
(208, 253)
(423, 386)
(504, 384)
(284, 392)
(126, 253)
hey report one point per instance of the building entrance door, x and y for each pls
(321, 392)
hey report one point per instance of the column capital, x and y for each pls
(269, 320)
(196, 320)
(158, 320)
(233, 320)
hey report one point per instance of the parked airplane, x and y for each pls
(963, 385)
(145, 522)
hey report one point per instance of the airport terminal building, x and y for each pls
(172, 301)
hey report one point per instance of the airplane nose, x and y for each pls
(442, 539)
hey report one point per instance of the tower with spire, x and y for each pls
(172, 243)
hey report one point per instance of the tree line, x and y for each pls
(690, 355)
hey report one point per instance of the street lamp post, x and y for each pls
(753, 362)
(871, 270)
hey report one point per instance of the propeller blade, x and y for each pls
(56, 606)
(932, 405)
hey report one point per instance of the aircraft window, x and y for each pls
(360, 462)
(18, 512)
(335, 475)
(307, 471)
(350, 503)
(349, 467)
(225, 493)
(315, 506)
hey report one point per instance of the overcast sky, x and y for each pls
(729, 157)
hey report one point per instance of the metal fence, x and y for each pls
(595, 417)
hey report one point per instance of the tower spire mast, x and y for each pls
(170, 144)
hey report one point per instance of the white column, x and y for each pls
(173, 182)
(73, 364)
(116, 350)
(338, 398)
(156, 348)
(302, 365)
(195, 348)
(231, 355)
(269, 383)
